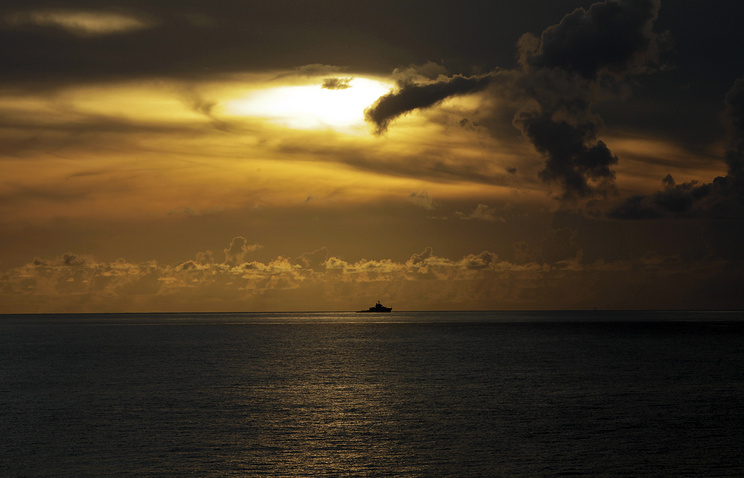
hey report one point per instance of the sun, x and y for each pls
(337, 104)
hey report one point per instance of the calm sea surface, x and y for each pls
(401, 394)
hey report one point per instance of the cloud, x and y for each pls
(85, 23)
(734, 122)
(561, 75)
(315, 260)
(482, 212)
(312, 70)
(239, 250)
(422, 199)
(337, 83)
(575, 159)
(319, 281)
(570, 68)
(421, 257)
(205, 107)
(410, 96)
(721, 198)
(484, 260)
(615, 36)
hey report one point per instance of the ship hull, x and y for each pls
(377, 308)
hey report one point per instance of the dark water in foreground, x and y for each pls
(402, 394)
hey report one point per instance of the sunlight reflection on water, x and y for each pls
(407, 394)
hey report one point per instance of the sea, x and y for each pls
(404, 394)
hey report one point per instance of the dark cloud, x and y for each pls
(79, 22)
(72, 260)
(614, 36)
(337, 83)
(562, 74)
(575, 159)
(230, 38)
(722, 198)
(203, 39)
(569, 69)
(734, 122)
(411, 96)
(311, 70)
(484, 260)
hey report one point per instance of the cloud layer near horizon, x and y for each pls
(320, 281)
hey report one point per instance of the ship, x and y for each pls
(377, 308)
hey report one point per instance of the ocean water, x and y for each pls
(415, 394)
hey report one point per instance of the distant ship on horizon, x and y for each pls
(378, 307)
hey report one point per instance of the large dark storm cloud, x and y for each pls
(611, 36)
(561, 75)
(567, 71)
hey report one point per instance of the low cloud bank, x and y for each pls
(551, 275)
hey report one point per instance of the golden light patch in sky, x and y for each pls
(150, 185)
(136, 102)
(151, 102)
(150, 148)
(312, 106)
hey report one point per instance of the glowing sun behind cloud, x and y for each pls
(337, 104)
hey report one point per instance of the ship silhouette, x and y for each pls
(377, 308)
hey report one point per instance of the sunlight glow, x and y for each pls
(312, 106)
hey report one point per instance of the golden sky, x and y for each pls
(325, 155)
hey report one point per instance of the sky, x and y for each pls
(295, 155)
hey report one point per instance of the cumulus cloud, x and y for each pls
(315, 260)
(239, 250)
(615, 36)
(421, 257)
(484, 260)
(566, 71)
(80, 281)
(561, 75)
(77, 283)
